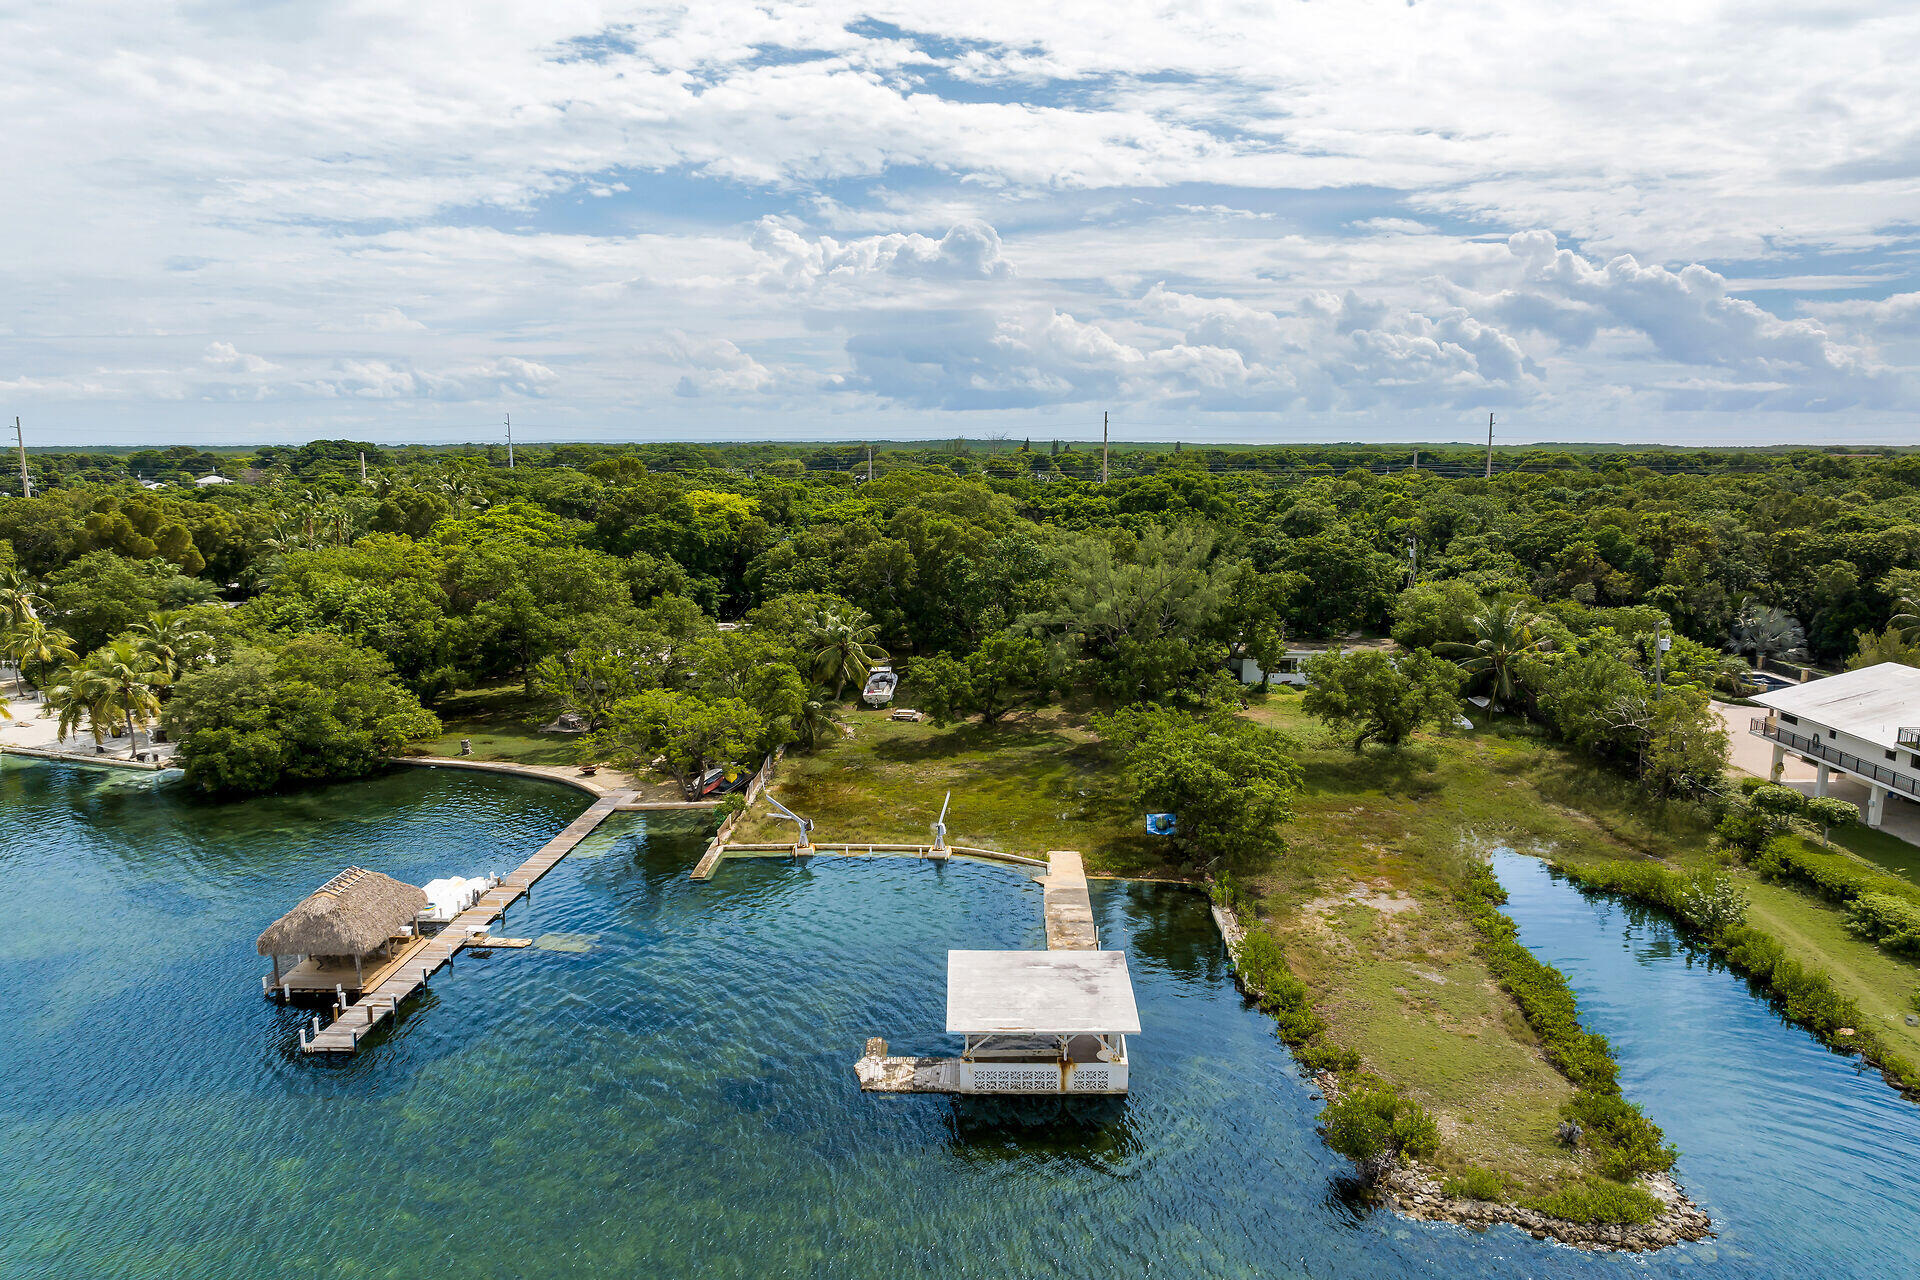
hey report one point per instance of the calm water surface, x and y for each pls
(678, 1098)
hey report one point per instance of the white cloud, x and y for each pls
(393, 209)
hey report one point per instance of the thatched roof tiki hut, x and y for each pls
(358, 919)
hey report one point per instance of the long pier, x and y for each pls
(344, 1033)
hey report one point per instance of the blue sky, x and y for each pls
(1344, 220)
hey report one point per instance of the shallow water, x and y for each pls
(679, 1099)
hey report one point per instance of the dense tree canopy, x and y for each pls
(997, 573)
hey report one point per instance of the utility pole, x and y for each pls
(1413, 559)
(1103, 448)
(509, 442)
(869, 461)
(1416, 459)
(1661, 644)
(1489, 446)
(363, 466)
(20, 440)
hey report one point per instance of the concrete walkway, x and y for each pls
(1069, 910)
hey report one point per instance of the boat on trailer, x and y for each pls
(880, 686)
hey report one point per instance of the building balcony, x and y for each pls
(1816, 749)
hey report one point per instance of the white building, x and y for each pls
(1292, 668)
(1865, 724)
(204, 481)
(1040, 1021)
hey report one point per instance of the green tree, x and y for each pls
(1006, 670)
(1230, 783)
(35, 648)
(1503, 639)
(1686, 751)
(312, 708)
(1149, 616)
(172, 644)
(1435, 613)
(1767, 632)
(101, 594)
(117, 681)
(1370, 696)
(1375, 1128)
(688, 733)
(843, 649)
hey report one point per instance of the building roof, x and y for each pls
(214, 479)
(1050, 992)
(1873, 703)
(349, 915)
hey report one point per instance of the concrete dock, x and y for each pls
(1069, 910)
(343, 1035)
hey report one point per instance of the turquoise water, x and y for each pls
(678, 1099)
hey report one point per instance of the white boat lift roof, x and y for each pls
(1046, 992)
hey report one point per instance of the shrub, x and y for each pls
(1890, 922)
(1476, 1184)
(1624, 1140)
(1808, 995)
(1710, 905)
(1600, 1201)
(1374, 1127)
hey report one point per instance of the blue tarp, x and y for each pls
(1160, 824)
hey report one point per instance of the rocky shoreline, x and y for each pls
(1413, 1191)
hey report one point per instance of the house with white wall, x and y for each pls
(1864, 724)
(1291, 669)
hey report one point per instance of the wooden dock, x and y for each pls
(343, 1035)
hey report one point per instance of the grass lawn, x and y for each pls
(1362, 906)
(504, 724)
(1886, 852)
(1883, 985)
(1033, 782)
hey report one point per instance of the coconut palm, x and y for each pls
(67, 696)
(35, 643)
(172, 643)
(1767, 632)
(817, 720)
(1906, 618)
(117, 681)
(1502, 637)
(843, 647)
(19, 601)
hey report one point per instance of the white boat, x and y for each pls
(880, 686)
(449, 896)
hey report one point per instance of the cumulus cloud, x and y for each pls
(1332, 352)
(1688, 317)
(827, 211)
(223, 355)
(376, 379)
(970, 250)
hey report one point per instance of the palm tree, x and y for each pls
(1502, 637)
(116, 681)
(843, 647)
(817, 720)
(172, 644)
(1907, 618)
(68, 696)
(33, 641)
(19, 601)
(1767, 632)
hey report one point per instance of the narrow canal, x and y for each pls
(663, 1087)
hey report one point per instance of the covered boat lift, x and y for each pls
(1041, 1021)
